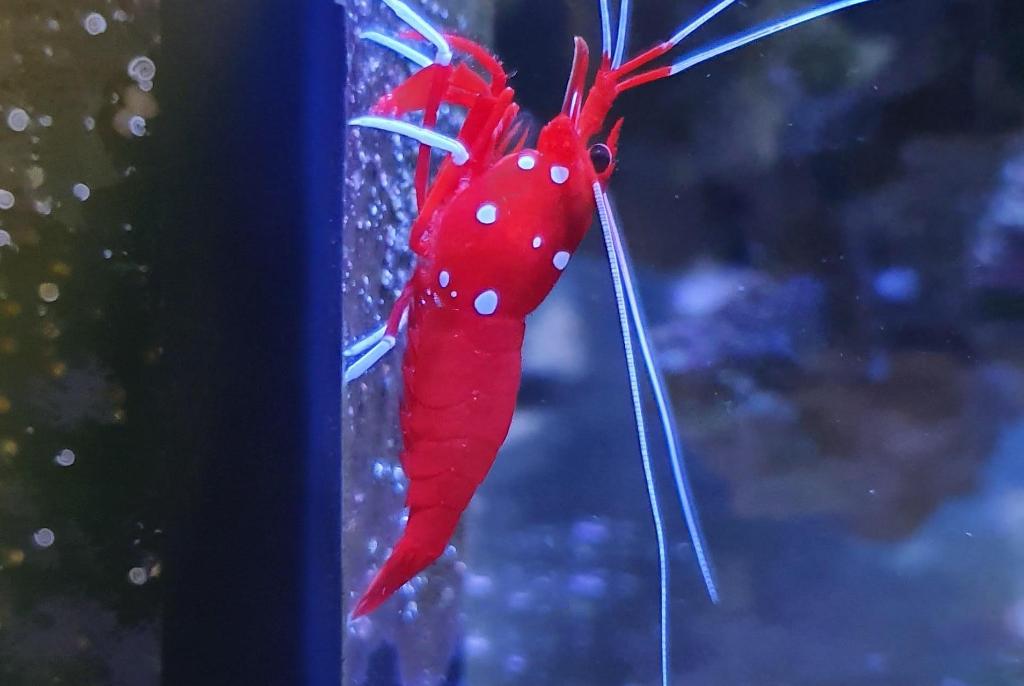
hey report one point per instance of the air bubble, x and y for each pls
(81, 191)
(17, 119)
(94, 23)
(44, 537)
(45, 120)
(49, 292)
(89, 123)
(137, 125)
(6, 199)
(138, 576)
(141, 69)
(65, 458)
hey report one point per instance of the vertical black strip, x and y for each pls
(248, 276)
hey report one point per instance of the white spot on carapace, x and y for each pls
(527, 162)
(487, 302)
(559, 174)
(487, 214)
(537, 241)
(443, 278)
(560, 259)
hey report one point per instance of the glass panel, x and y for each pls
(80, 501)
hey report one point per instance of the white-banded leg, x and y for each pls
(665, 413)
(408, 52)
(443, 51)
(424, 135)
(371, 348)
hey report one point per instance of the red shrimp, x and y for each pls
(496, 227)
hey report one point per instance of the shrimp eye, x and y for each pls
(600, 157)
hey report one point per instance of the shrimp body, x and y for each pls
(497, 225)
(491, 256)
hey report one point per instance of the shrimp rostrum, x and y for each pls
(497, 225)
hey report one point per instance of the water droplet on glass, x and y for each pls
(137, 125)
(141, 68)
(65, 458)
(44, 537)
(17, 119)
(49, 292)
(94, 23)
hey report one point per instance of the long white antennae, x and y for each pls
(699, 21)
(622, 35)
(606, 30)
(423, 27)
(638, 417)
(668, 422)
(426, 136)
(758, 33)
(401, 48)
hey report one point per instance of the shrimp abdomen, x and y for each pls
(461, 373)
